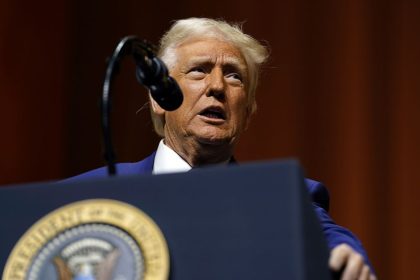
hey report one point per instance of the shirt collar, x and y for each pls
(168, 161)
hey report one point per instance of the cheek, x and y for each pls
(192, 92)
(196, 87)
(191, 87)
(240, 111)
(240, 104)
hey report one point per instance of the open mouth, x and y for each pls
(213, 113)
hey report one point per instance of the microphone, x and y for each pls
(152, 72)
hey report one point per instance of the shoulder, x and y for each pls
(318, 193)
(144, 166)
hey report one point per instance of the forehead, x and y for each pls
(209, 49)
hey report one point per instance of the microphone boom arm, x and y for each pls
(150, 71)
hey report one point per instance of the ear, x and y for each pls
(156, 108)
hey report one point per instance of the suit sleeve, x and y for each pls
(334, 234)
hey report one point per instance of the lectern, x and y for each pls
(251, 221)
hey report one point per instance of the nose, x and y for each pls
(216, 84)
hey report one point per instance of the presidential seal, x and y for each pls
(95, 239)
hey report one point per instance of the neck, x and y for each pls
(200, 154)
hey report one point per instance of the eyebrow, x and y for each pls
(228, 61)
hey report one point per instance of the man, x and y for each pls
(217, 66)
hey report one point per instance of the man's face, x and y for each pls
(213, 76)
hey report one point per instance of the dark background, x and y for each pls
(341, 93)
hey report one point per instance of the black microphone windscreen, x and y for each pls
(167, 94)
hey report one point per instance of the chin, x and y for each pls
(214, 140)
(216, 136)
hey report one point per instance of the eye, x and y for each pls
(196, 73)
(235, 77)
(197, 70)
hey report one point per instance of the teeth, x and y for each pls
(213, 114)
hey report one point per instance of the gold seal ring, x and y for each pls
(123, 217)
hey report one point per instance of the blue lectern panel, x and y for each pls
(251, 221)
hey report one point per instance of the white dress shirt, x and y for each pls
(168, 161)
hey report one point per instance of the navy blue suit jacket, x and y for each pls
(334, 233)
